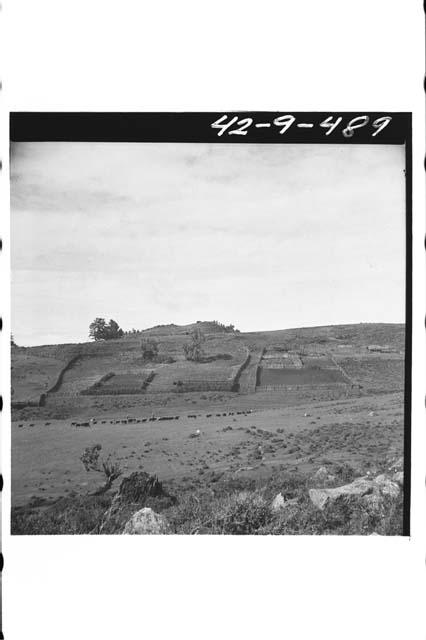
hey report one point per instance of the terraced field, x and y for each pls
(288, 368)
(376, 372)
(305, 376)
(35, 370)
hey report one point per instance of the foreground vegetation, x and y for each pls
(227, 505)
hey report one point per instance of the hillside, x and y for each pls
(365, 357)
(259, 405)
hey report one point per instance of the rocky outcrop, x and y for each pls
(373, 490)
(146, 522)
(359, 487)
(386, 486)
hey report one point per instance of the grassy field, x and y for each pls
(251, 435)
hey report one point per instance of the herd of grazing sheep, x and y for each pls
(153, 418)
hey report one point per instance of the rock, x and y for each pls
(386, 486)
(374, 489)
(319, 497)
(321, 474)
(359, 487)
(146, 522)
(286, 504)
(278, 502)
(397, 464)
(398, 477)
(380, 478)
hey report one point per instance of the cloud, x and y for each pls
(155, 230)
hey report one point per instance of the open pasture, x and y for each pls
(46, 464)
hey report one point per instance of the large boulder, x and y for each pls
(146, 522)
(374, 490)
(359, 487)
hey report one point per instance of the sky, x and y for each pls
(261, 236)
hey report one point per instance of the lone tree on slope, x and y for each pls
(193, 350)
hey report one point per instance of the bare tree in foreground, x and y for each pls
(108, 466)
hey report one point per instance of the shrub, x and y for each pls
(237, 513)
(108, 466)
(193, 350)
(72, 515)
(229, 505)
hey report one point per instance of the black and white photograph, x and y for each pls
(212, 323)
(209, 337)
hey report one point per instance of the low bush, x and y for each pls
(73, 515)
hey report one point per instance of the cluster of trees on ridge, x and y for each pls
(100, 329)
(226, 328)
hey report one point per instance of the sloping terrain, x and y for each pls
(35, 370)
(307, 356)
(328, 397)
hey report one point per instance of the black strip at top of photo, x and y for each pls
(272, 127)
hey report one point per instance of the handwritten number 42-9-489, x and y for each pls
(238, 127)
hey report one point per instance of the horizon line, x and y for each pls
(170, 324)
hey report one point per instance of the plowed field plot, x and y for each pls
(125, 383)
(306, 375)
